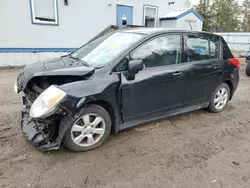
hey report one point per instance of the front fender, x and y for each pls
(83, 92)
(94, 86)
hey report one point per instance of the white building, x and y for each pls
(185, 18)
(48, 26)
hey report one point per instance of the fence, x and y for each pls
(238, 42)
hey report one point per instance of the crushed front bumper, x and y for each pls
(40, 133)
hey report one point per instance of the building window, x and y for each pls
(44, 12)
(150, 16)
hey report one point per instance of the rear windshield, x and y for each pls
(104, 49)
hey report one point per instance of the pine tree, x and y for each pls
(219, 15)
(204, 9)
(246, 16)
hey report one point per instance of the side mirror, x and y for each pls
(134, 66)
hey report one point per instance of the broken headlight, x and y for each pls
(46, 102)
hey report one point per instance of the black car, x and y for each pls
(121, 80)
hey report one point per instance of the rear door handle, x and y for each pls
(178, 74)
(216, 66)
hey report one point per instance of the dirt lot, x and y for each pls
(193, 150)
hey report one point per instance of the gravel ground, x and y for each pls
(194, 150)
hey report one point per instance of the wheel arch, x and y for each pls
(109, 108)
(68, 119)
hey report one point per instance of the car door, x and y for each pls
(204, 67)
(160, 86)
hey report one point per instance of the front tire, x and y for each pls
(219, 98)
(88, 130)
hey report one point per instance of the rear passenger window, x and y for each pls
(197, 48)
(163, 50)
(202, 48)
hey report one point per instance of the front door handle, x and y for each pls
(178, 74)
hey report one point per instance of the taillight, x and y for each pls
(235, 62)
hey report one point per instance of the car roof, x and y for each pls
(149, 31)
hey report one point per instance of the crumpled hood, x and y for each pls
(63, 66)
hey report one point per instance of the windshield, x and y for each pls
(104, 49)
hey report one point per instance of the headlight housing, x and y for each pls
(46, 102)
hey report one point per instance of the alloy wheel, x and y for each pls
(88, 130)
(221, 98)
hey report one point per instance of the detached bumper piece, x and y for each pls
(37, 132)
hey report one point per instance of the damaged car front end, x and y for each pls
(43, 99)
(38, 124)
(51, 108)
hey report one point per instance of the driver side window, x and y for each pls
(161, 51)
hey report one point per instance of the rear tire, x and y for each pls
(219, 98)
(88, 130)
(248, 68)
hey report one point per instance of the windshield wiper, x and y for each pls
(78, 59)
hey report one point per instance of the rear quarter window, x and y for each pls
(227, 54)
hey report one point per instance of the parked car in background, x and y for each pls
(245, 54)
(248, 67)
(121, 80)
